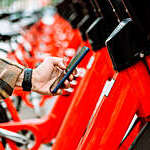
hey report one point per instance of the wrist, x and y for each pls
(33, 80)
(20, 79)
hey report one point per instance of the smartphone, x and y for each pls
(58, 83)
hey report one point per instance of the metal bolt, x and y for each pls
(141, 55)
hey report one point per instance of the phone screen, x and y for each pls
(76, 57)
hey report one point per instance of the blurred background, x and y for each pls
(27, 37)
(14, 5)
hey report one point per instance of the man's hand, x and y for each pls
(45, 74)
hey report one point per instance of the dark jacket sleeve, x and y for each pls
(9, 73)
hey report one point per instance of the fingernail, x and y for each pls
(59, 92)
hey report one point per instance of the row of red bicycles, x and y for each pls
(107, 106)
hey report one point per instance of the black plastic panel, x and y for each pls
(125, 45)
(119, 9)
(83, 26)
(64, 9)
(110, 19)
(103, 26)
(72, 12)
(107, 11)
(75, 12)
(142, 141)
(96, 34)
(140, 12)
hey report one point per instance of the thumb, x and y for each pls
(59, 62)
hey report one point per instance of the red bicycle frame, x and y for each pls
(128, 96)
(83, 104)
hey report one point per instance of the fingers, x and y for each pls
(67, 84)
(71, 77)
(75, 72)
(59, 92)
(59, 62)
